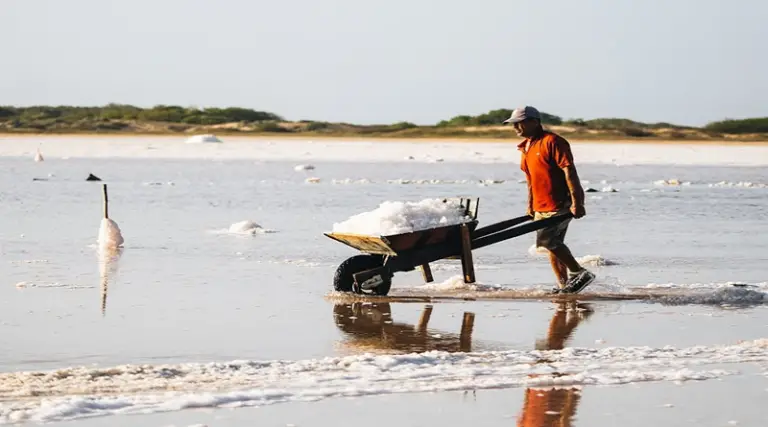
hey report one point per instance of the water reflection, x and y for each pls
(108, 264)
(555, 406)
(369, 326)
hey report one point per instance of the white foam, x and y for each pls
(595, 260)
(702, 285)
(30, 261)
(456, 283)
(585, 260)
(395, 217)
(83, 392)
(722, 297)
(537, 251)
(430, 181)
(55, 285)
(671, 182)
(205, 138)
(740, 184)
(348, 181)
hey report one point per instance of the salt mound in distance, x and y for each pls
(247, 227)
(197, 139)
(396, 217)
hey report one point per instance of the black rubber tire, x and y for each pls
(344, 281)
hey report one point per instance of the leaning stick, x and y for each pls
(106, 201)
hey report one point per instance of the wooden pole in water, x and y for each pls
(465, 336)
(106, 200)
(424, 319)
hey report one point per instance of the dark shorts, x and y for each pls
(551, 237)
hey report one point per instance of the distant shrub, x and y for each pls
(575, 123)
(677, 135)
(635, 132)
(494, 118)
(756, 125)
(315, 126)
(271, 127)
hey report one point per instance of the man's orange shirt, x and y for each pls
(543, 164)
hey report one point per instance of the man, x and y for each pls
(553, 188)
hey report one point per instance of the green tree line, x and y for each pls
(158, 113)
(113, 116)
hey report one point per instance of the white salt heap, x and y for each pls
(404, 217)
(245, 227)
(109, 234)
(197, 139)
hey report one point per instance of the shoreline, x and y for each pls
(321, 149)
(262, 137)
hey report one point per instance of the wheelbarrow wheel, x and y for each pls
(344, 280)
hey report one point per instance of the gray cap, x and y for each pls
(520, 114)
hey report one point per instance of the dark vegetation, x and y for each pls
(164, 119)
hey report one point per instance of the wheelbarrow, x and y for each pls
(371, 271)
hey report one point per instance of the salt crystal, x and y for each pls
(404, 217)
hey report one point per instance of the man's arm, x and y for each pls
(577, 191)
(561, 153)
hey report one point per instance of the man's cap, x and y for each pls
(520, 114)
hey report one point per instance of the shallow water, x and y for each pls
(184, 290)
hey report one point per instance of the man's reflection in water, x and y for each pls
(369, 326)
(555, 406)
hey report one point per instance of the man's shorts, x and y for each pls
(551, 237)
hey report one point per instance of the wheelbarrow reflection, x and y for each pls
(370, 327)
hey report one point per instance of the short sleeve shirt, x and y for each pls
(542, 161)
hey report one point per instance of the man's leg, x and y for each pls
(551, 239)
(561, 271)
(561, 258)
(563, 255)
(580, 277)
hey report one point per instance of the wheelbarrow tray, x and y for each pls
(387, 254)
(398, 244)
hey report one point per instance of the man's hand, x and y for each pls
(578, 210)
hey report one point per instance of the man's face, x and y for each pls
(526, 128)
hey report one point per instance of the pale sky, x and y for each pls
(359, 61)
